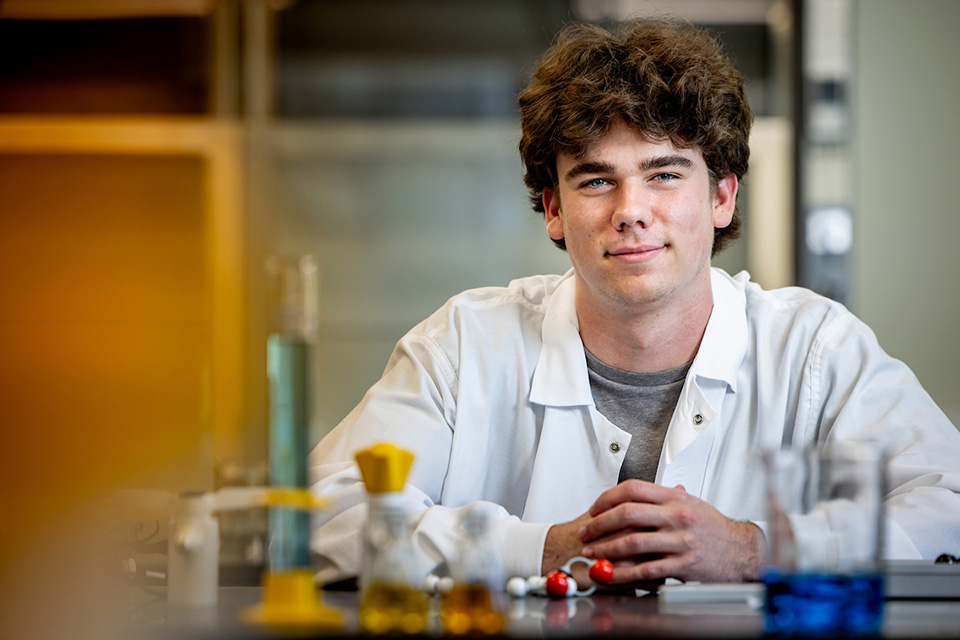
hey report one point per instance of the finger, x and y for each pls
(621, 565)
(630, 515)
(651, 571)
(629, 562)
(634, 544)
(632, 491)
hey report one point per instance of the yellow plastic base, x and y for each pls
(291, 604)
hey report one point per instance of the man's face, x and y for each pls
(638, 219)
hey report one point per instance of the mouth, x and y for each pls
(636, 254)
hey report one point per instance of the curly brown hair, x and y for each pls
(667, 79)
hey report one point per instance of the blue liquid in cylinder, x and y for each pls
(288, 359)
(815, 604)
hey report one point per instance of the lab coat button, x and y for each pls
(697, 419)
(615, 447)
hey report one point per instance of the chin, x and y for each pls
(635, 296)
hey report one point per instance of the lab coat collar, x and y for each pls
(724, 342)
(561, 378)
(712, 374)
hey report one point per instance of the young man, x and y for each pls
(616, 411)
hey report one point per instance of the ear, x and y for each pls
(725, 201)
(551, 214)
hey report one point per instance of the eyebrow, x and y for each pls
(670, 160)
(656, 162)
(583, 168)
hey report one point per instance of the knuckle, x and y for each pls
(650, 571)
(685, 517)
(631, 511)
(634, 541)
(633, 487)
(620, 547)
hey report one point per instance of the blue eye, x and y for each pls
(596, 182)
(665, 177)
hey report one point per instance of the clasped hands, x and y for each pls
(652, 533)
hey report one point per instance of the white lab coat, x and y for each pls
(491, 393)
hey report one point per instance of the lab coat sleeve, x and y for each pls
(412, 406)
(860, 392)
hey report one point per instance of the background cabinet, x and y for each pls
(122, 257)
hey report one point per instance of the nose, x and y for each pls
(631, 207)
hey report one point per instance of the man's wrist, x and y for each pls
(755, 559)
(562, 543)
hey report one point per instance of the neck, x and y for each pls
(644, 338)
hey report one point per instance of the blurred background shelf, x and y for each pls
(154, 155)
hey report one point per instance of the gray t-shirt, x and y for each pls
(641, 404)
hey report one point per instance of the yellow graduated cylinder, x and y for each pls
(384, 467)
(291, 603)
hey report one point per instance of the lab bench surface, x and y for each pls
(600, 615)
